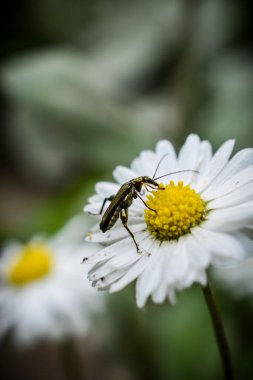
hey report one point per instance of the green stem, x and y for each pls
(219, 332)
(70, 360)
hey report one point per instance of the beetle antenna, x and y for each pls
(161, 159)
(179, 171)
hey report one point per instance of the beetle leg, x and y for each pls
(154, 188)
(138, 195)
(147, 188)
(103, 205)
(124, 218)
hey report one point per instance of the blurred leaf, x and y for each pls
(229, 113)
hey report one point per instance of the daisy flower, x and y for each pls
(194, 219)
(43, 294)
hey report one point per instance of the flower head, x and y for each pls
(43, 293)
(194, 218)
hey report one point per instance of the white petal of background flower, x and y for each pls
(57, 305)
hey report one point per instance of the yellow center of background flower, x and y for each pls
(178, 209)
(32, 263)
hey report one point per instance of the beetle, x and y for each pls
(124, 198)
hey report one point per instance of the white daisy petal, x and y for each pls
(93, 209)
(203, 159)
(131, 275)
(233, 198)
(188, 157)
(159, 294)
(220, 244)
(172, 265)
(125, 258)
(200, 276)
(106, 189)
(246, 242)
(166, 161)
(163, 148)
(119, 261)
(136, 209)
(239, 162)
(235, 182)
(182, 262)
(205, 155)
(215, 166)
(115, 234)
(231, 219)
(123, 174)
(95, 198)
(107, 252)
(200, 219)
(199, 255)
(145, 164)
(99, 271)
(171, 295)
(149, 280)
(238, 278)
(105, 282)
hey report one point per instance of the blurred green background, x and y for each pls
(86, 85)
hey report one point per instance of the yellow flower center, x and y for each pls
(32, 263)
(178, 208)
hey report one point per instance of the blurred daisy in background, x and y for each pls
(199, 220)
(44, 293)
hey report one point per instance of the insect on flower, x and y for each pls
(123, 199)
(200, 221)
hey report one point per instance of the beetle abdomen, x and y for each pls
(107, 224)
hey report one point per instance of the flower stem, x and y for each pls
(219, 331)
(70, 360)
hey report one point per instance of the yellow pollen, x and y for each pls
(32, 263)
(178, 208)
